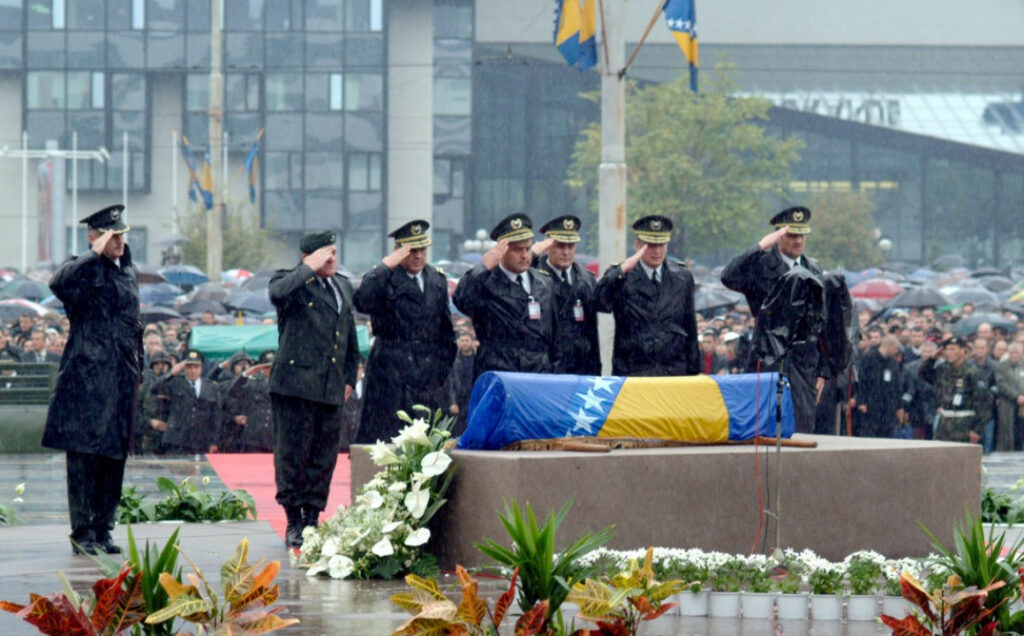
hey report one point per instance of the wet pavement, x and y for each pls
(32, 555)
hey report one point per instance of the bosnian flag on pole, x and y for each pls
(510, 407)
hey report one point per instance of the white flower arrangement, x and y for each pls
(382, 535)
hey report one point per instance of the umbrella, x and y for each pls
(183, 274)
(209, 291)
(969, 325)
(876, 288)
(920, 297)
(980, 298)
(201, 305)
(52, 303)
(235, 276)
(860, 304)
(985, 271)
(996, 283)
(156, 313)
(14, 307)
(257, 302)
(260, 280)
(173, 239)
(924, 273)
(159, 293)
(947, 261)
(705, 299)
(25, 288)
(148, 275)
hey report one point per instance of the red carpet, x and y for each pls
(254, 473)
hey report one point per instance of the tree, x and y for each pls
(246, 245)
(701, 159)
(843, 232)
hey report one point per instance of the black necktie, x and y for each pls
(565, 276)
(330, 292)
(519, 280)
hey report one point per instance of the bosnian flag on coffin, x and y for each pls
(510, 407)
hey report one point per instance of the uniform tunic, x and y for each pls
(578, 351)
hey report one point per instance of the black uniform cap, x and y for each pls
(953, 340)
(564, 229)
(194, 357)
(654, 229)
(514, 227)
(315, 240)
(797, 218)
(412, 234)
(109, 218)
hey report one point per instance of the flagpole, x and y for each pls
(639, 45)
(174, 179)
(214, 231)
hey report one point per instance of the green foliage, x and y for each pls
(843, 230)
(1003, 507)
(185, 502)
(826, 579)
(978, 561)
(245, 244)
(703, 159)
(864, 573)
(950, 610)
(543, 576)
(8, 517)
(728, 575)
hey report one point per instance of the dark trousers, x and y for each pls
(94, 490)
(306, 441)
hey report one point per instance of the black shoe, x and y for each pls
(310, 517)
(107, 545)
(293, 532)
(85, 547)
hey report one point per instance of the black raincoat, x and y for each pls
(578, 349)
(413, 347)
(92, 409)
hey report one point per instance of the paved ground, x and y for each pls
(32, 554)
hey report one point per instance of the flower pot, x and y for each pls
(896, 606)
(827, 607)
(757, 604)
(692, 603)
(792, 607)
(723, 604)
(861, 607)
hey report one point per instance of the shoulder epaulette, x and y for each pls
(615, 264)
(680, 263)
(541, 270)
(440, 271)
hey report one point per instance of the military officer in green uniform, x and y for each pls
(961, 394)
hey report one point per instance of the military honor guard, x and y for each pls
(93, 408)
(313, 375)
(754, 273)
(578, 350)
(651, 298)
(414, 343)
(961, 393)
(193, 408)
(511, 304)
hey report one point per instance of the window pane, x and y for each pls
(284, 50)
(242, 128)
(357, 15)
(165, 50)
(452, 96)
(125, 50)
(276, 170)
(40, 14)
(44, 125)
(243, 15)
(364, 91)
(284, 131)
(364, 50)
(361, 249)
(45, 49)
(442, 176)
(336, 92)
(279, 16)
(197, 50)
(166, 15)
(284, 91)
(85, 14)
(376, 15)
(197, 92)
(375, 172)
(324, 15)
(323, 171)
(45, 90)
(10, 50)
(453, 19)
(86, 50)
(98, 90)
(324, 50)
(357, 172)
(282, 210)
(316, 91)
(78, 87)
(364, 132)
(324, 210)
(197, 18)
(366, 211)
(129, 90)
(91, 131)
(10, 14)
(59, 14)
(244, 50)
(324, 132)
(197, 126)
(138, 17)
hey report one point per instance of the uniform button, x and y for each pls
(334, 359)
(335, 347)
(291, 362)
(310, 304)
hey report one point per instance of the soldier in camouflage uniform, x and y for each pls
(961, 394)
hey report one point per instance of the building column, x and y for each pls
(410, 112)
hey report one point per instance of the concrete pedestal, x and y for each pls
(845, 495)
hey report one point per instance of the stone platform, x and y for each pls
(844, 495)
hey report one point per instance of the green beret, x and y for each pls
(315, 240)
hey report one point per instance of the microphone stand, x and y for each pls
(780, 385)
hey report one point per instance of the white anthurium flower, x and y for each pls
(340, 566)
(317, 569)
(435, 463)
(415, 433)
(416, 502)
(331, 547)
(383, 548)
(382, 455)
(20, 489)
(372, 499)
(418, 479)
(417, 537)
(398, 486)
(391, 527)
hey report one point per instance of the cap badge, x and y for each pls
(115, 214)
(568, 224)
(655, 224)
(798, 216)
(516, 223)
(416, 229)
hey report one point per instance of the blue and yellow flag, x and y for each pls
(190, 163)
(588, 37)
(681, 18)
(252, 166)
(567, 29)
(206, 184)
(511, 407)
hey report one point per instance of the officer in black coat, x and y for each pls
(578, 350)
(754, 273)
(414, 343)
(193, 408)
(233, 420)
(313, 375)
(511, 304)
(92, 410)
(247, 409)
(651, 298)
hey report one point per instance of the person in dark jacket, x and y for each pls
(511, 304)
(919, 392)
(754, 272)
(193, 408)
(233, 423)
(414, 343)
(92, 411)
(35, 349)
(247, 409)
(651, 298)
(153, 411)
(578, 351)
(313, 375)
(880, 391)
(460, 382)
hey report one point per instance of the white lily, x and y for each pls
(383, 548)
(391, 527)
(415, 433)
(417, 537)
(382, 455)
(435, 463)
(416, 502)
(331, 547)
(340, 566)
(371, 499)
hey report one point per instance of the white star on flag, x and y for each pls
(583, 421)
(602, 384)
(590, 401)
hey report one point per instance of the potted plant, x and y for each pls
(691, 567)
(725, 574)
(757, 601)
(791, 603)
(893, 603)
(826, 581)
(864, 576)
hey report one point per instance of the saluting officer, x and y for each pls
(511, 304)
(578, 349)
(754, 272)
(193, 405)
(312, 377)
(247, 408)
(651, 298)
(414, 343)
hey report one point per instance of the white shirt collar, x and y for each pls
(512, 277)
(787, 260)
(558, 272)
(650, 270)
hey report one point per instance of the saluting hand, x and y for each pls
(394, 259)
(494, 255)
(768, 240)
(256, 368)
(630, 263)
(101, 241)
(176, 369)
(540, 247)
(317, 259)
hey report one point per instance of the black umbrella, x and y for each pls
(257, 302)
(149, 275)
(210, 291)
(949, 261)
(156, 313)
(996, 283)
(980, 298)
(705, 299)
(201, 305)
(985, 271)
(159, 293)
(969, 325)
(920, 297)
(25, 288)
